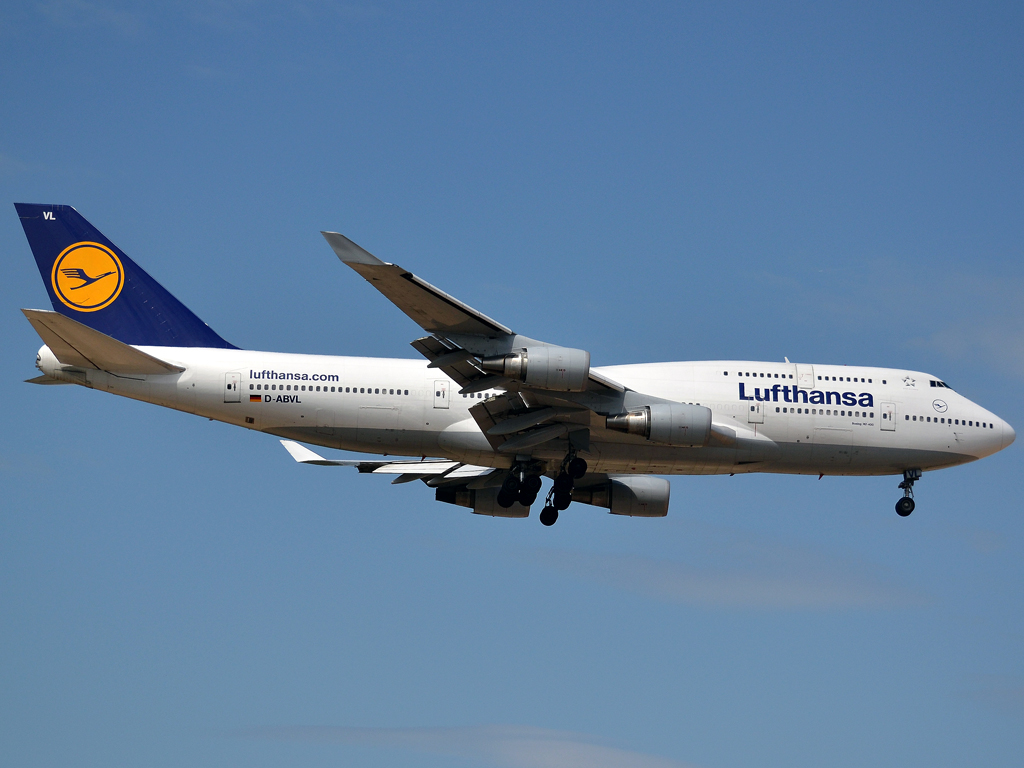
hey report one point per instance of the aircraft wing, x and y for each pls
(434, 472)
(566, 402)
(431, 309)
(460, 335)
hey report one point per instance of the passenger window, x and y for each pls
(776, 409)
(391, 392)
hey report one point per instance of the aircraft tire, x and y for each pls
(905, 506)
(532, 484)
(562, 500)
(506, 499)
(549, 516)
(577, 468)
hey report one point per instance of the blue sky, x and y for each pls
(835, 184)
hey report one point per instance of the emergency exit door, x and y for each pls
(440, 394)
(232, 387)
(888, 417)
(755, 412)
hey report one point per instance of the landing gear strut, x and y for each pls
(906, 505)
(560, 495)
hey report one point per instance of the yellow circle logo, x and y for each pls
(87, 276)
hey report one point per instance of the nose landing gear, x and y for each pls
(906, 505)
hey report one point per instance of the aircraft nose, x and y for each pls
(1008, 434)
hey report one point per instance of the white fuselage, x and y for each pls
(789, 418)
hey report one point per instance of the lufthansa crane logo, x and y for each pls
(87, 276)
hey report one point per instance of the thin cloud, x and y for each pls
(502, 746)
(763, 577)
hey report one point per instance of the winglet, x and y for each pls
(349, 252)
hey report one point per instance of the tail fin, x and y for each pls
(93, 282)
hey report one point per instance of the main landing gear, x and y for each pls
(560, 495)
(519, 486)
(906, 505)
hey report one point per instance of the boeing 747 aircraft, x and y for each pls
(490, 412)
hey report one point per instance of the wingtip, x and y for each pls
(349, 252)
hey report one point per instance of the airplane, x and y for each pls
(489, 413)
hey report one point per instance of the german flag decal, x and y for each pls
(255, 398)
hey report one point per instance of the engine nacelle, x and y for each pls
(676, 424)
(560, 369)
(632, 495)
(483, 501)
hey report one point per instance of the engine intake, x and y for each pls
(559, 369)
(676, 424)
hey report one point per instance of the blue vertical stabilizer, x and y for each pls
(91, 280)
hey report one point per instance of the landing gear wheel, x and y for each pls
(562, 499)
(549, 516)
(577, 468)
(563, 484)
(506, 498)
(531, 484)
(526, 498)
(904, 506)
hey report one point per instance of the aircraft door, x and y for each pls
(755, 414)
(232, 387)
(888, 420)
(440, 394)
(805, 376)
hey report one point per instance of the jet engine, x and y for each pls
(483, 501)
(676, 424)
(559, 369)
(631, 495)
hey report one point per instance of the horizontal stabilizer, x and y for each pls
(79, 345)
